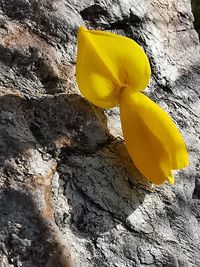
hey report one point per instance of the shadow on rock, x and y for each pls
(51, 123)
(94, 170)
(98, 189)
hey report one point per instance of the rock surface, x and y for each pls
(69, 193)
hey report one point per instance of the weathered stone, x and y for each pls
(69, 193)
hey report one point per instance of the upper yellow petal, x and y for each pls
(105, 63)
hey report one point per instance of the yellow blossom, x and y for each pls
(112, 70)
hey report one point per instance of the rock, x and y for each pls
(69, 193)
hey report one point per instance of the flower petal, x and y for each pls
(146, 150)
(105, 63)
(162, 126)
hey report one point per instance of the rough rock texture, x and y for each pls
(69, 193)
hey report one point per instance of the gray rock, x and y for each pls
(69, 193)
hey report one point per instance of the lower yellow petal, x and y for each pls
(162, 126)
(170, 179)
(146, 150)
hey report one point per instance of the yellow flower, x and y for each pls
(113, 70)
